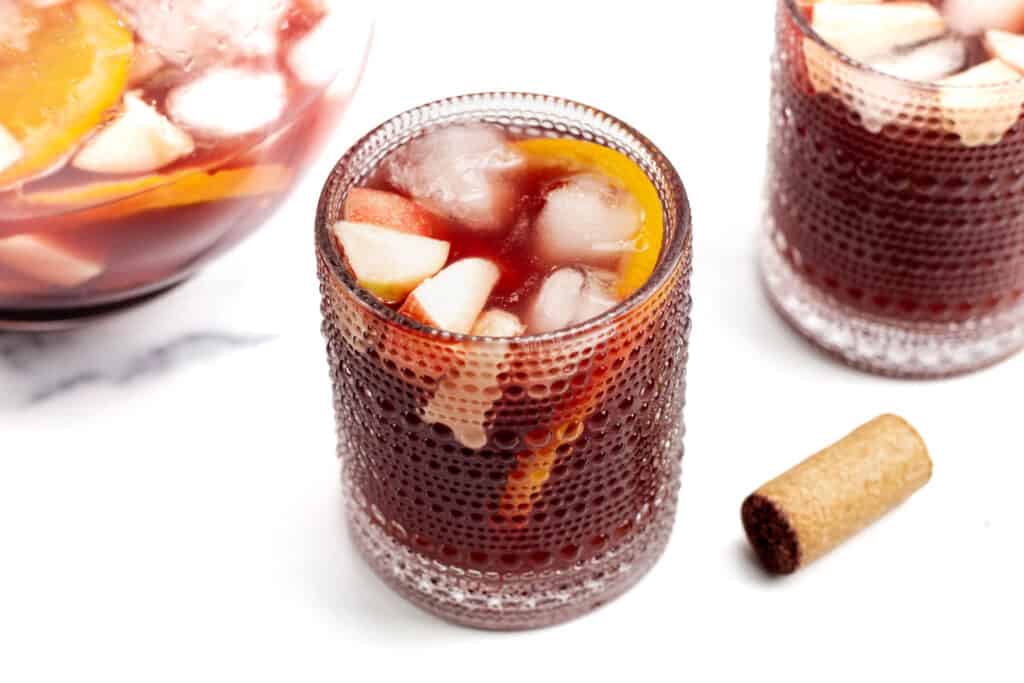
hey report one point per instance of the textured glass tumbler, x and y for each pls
(510, 483)
(895, 211)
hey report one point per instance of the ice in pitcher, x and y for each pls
(471, 229)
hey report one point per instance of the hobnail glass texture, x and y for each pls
(894, 219)
(510, 483)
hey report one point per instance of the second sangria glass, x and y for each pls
(894, 233)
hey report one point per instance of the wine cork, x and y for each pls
(801, 515)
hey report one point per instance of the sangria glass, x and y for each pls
(894, 228)
(569, 495)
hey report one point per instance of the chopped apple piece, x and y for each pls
(1007, 47)
(981, 116)
(388, 262)
(862, 31)
(10, 150)
(390, 210)
(498, 323)
(140, 140)
(452, 299)
(46, 261)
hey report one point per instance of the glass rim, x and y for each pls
(672, 252)
(794, 9)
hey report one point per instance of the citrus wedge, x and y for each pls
(119, 199)
(57, 84)
(578, 155)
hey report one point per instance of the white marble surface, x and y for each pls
(169, 507)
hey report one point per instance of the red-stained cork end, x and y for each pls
(771, 535)
(805, 512)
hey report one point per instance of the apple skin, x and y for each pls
(391, 210)
(453, 299)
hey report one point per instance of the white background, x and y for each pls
(188, 527)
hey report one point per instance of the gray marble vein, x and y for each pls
(190, 347)
(196, 323)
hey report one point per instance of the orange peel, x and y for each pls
(73, 69)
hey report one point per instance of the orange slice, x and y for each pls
(68, 68)
(120, 199)
(578, 155)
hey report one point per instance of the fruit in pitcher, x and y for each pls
(139, 140)
(77, 60)
(47, 261)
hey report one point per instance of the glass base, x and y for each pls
(62, 319)
(910, 350)
(501, 601)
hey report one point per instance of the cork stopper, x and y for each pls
(804, 513)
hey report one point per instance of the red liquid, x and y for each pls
(149, 238)
(905, 224)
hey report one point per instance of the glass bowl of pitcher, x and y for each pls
(139, 139)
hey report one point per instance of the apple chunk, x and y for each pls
(389, 263)
(1008, 47)
(498, 323)
(453, 299)
(46, 261)
(140, 140)
(391, 210)
(10, 150)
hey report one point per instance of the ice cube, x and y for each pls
(226, 102)
(971, 17)
(47, 261)
(337, 42)
(570, 296)
(206, 32)
(587, 219)
(10, 149)
(466, 173)
(140, 140)
(928, 61)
